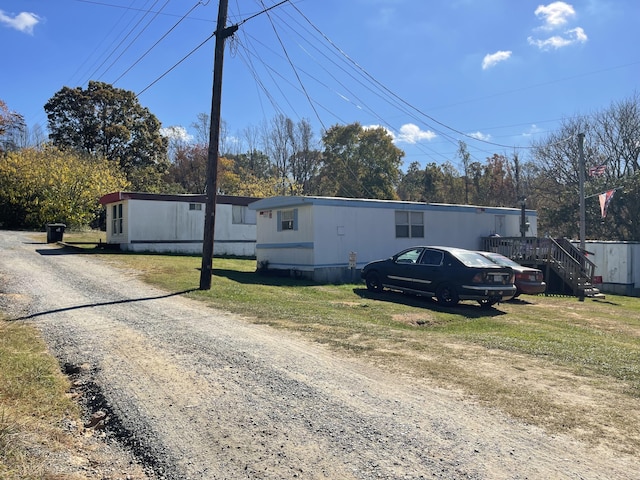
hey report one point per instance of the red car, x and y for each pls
(528, 280)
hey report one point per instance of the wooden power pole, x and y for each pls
(222, 33)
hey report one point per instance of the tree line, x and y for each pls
(100, 139)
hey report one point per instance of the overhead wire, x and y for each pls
(350, 61)
(383, 92)
(166, 72)
(115, 49)
(266, 10)
(272, 71)
(136, 37)
(366, 86)
(300, 84)
(293, 67)
(394, 95)
(310, 101)
(382, 95)
(158, 41)
(93, 54)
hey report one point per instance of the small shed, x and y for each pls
(152, 222)
(330, 239)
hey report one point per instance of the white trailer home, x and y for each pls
(175, 223)
(330, 239)
(617, 266)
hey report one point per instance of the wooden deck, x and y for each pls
(567, 269)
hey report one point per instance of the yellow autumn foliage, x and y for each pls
(39, 186)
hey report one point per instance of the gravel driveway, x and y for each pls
(202, 394)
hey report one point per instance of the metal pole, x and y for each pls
(523, 218)
(214, 143)
(581, 178)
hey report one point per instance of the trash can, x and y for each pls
(55, 232)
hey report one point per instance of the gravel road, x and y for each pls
(198, 393)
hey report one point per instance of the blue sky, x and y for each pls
(494, 73)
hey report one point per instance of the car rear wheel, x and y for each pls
(447, 295)
(373, 282)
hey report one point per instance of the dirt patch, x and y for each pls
(593, 409)
(422, 319)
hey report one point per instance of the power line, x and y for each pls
(113, 51)
(158, 41)
(266, 10)
(136, 37)
(166, 72)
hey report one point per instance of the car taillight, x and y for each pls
(477, 278)
(529, 277)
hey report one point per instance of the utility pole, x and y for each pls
(581, 179)
(222, 33)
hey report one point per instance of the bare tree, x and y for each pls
(12, 128)
(612, 142)
(616, 137)
(178, 140)
(202, 126)
(279, 141)
(306, 159)
(255, 149)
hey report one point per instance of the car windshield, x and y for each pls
(472, 259)
(501, 260)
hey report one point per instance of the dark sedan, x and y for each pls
(528, 280)
(449, 274)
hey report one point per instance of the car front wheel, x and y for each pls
(486, 303)
(447, 295)
(373, 282)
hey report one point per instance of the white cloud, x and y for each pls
(555, 14)
(533, 130)
(373, 127)
(410, 133)
(570, 37)
(23, 22)
(555, 17)
(177, 133)
(492, 59)
(480, 136)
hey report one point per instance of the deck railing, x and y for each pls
(564, 258)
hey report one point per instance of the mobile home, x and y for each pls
(330, 239)
(175, 223)
(617, 266)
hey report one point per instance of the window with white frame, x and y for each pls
(195, 206)
(117, 219)
(241, 214)
(288, 219)
(409, 224)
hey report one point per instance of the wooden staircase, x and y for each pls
(567, 262)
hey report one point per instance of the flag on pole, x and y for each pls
(597, 171)
(605, 199)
